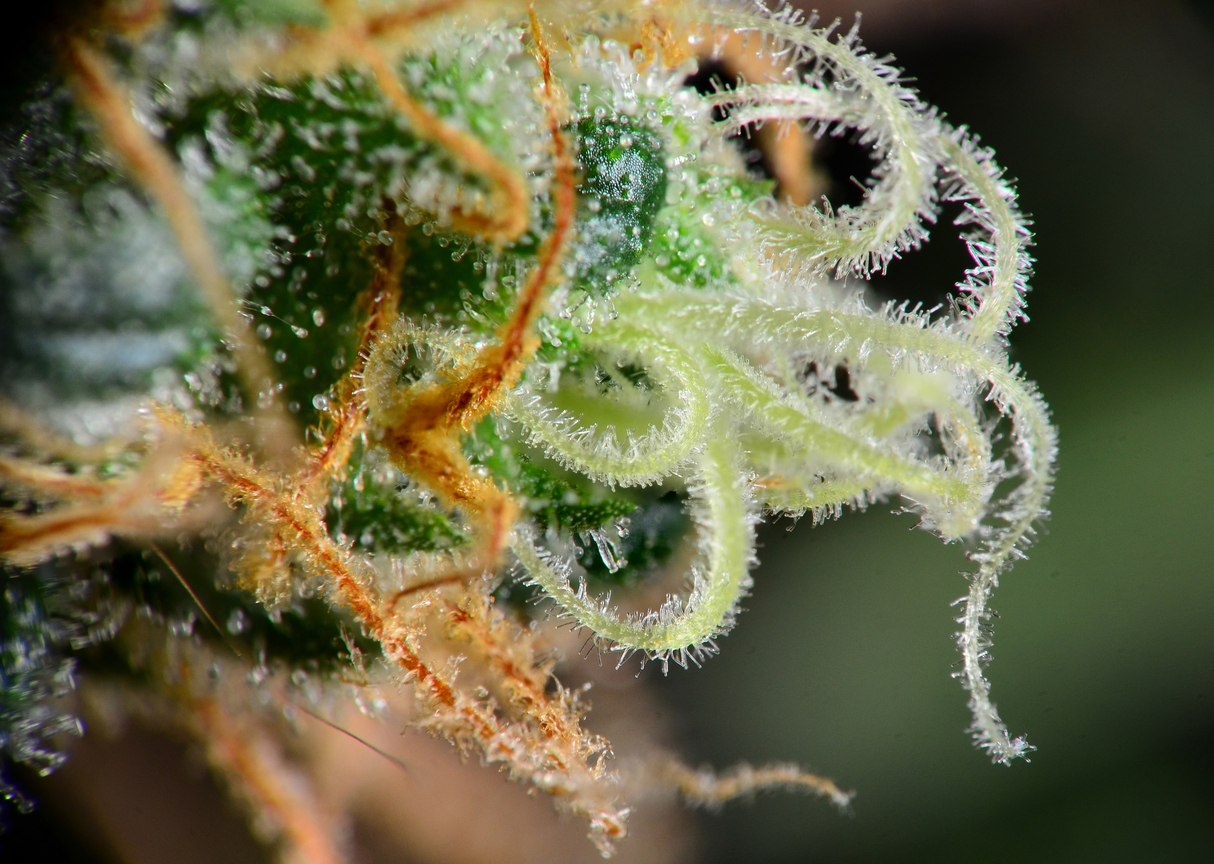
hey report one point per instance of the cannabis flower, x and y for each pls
(345, 342)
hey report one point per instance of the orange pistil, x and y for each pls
(133, 20)
(424, 442)
(358, 40)
(252, 761)
(395, 20)
(345, 421)
(146, 504)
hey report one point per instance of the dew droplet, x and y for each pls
(320, 402)
(264, 331)
(237, 621)
(318, 317)
(310, 372)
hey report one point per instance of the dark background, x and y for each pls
(1104, 654)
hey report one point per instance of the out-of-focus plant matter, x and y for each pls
(335, 332)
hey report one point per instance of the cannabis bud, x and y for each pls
(344, 345)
